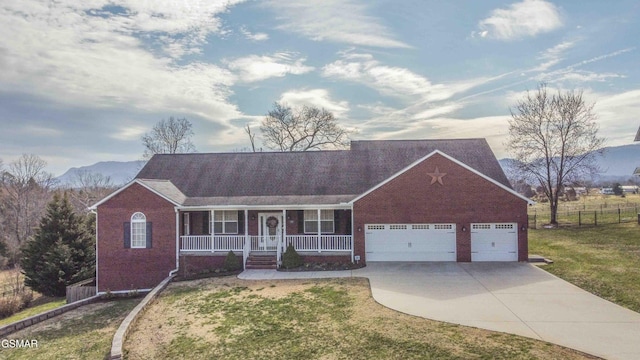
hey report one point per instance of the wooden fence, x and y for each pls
(81, 290)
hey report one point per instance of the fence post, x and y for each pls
(579, 218)
(619, 220)
(595, 217)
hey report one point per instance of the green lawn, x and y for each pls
(56, 302)
(228, 318)
(603, 260)
(83, 333)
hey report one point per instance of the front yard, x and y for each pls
(83, 333)
(603, 260)
(228, 318)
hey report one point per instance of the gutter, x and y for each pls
(174, 271)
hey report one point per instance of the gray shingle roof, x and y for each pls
(209, 178)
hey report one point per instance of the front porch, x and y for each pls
(317, 232)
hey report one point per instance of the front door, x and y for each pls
(270, 231)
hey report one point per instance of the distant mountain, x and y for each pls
(617, 162)
(120, 172)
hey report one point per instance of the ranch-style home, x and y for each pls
(397, 200)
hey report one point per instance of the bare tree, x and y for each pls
(25, 191)
(88, 188)
(301, 129)
(169, 137)
(252, 137)
(554, 140)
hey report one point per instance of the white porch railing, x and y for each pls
(212, 243)
(323, 243)
(208, 243)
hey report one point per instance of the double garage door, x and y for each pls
(410, 242)
(437, 242)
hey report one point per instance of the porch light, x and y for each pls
(464, 228)
(359, 228)
(523, 228)
(253, 217)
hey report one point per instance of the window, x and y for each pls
(138, 230)
(225, 222)
(326, 221)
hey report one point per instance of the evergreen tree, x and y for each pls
(62, 251)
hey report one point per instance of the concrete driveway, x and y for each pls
(515, 298)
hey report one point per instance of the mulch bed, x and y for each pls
(324, 267)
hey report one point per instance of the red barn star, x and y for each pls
(436, 176)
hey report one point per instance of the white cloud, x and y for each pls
(254, 36)
(315, 97)
(257, 68)
(342, 21)
(129, 133)
(522, 19)
(617, 115)
(553, 55)
(570, 73)
(587, 76)
(78, 53)
(393, 81)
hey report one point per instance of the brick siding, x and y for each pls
(119, 268)
(463, 198)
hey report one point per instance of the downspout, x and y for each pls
(93, 211)
(174, 271)
(353, 235)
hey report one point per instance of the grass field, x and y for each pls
(52, 303)
(84, 333)
(588, 211)
(603, 260)
(228, 318)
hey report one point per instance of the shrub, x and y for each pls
(291, 259)
(60, 253)
(231, 262)
(11, 304)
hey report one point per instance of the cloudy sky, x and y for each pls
(82, 80)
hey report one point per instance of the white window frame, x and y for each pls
(138, 231)
(224, 217)
(326, 216)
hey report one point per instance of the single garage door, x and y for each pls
(410, 242)
(494, 242)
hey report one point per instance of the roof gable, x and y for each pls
(163, 188)
(493, 181)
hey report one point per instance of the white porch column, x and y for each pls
(284, 228)
(212, 222)
(319, 232)
(247, 240)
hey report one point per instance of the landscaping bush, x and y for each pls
(291, 259)
(11, 304)
(231, 262)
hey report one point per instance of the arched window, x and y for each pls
(138, 230)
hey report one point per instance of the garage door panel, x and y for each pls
(410, 242)
(494, 242)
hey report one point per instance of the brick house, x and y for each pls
(398, 200)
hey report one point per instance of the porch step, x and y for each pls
(261, 262)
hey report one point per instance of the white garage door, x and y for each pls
(494, 242)
(410, 242)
